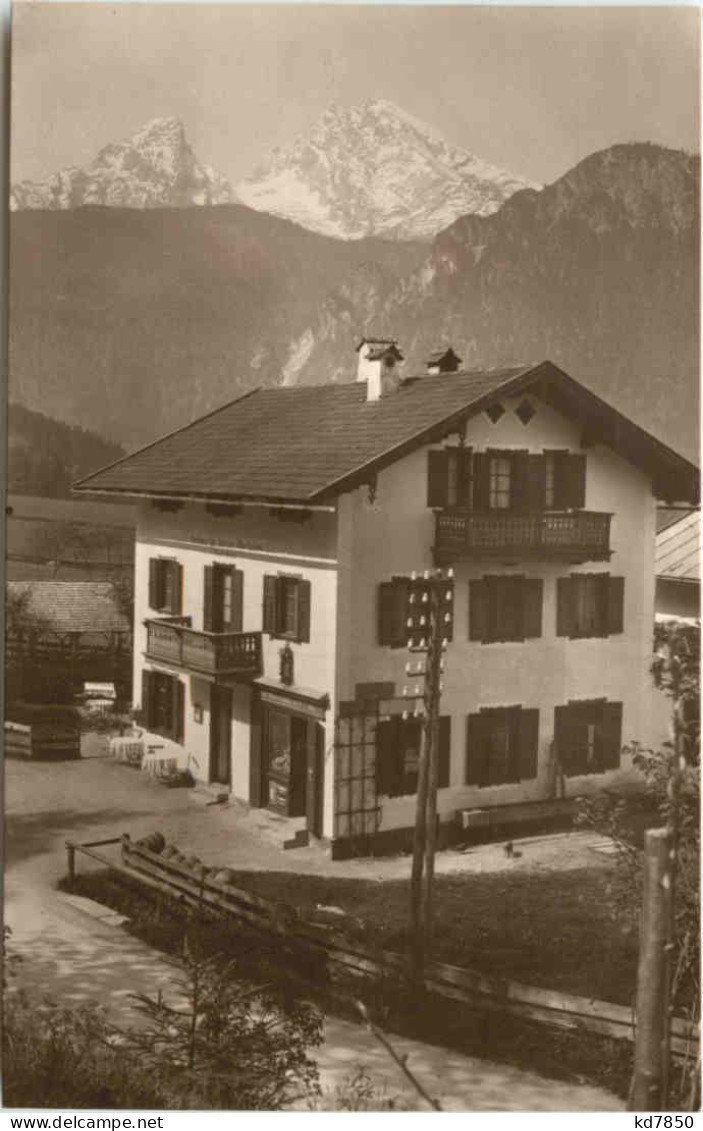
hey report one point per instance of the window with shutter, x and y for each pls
(501, 746)
(589, 605)
(588, 736)
(286, 607)
(505, 608)
(165, 586)
(398, 756)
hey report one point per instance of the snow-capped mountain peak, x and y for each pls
(374, 169)
(155, 167)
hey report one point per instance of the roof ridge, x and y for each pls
(159, 439)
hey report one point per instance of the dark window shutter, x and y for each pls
(176, 588)
(567, 738)
(571, 479)
(269, 604)
(482, 480)
(208, 597)
(466, 474)
(519, 481)
(445, 731)
(237, 600)
(535, 486)
(179, 710)
(565, 609)
(147, 698)
(527, 741)
(533, 589)
(478, 609)
(437, 479)
(303, 633)
(389, 771)
(615, 606)
(386, 613)
(154, 568)
(476, 749)
(610, 736)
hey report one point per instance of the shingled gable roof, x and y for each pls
(309, 444)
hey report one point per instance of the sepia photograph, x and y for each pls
(352, 570)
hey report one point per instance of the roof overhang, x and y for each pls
(674, 478)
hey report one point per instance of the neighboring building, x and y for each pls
(678, 566)
(64, 632)
(272, 544)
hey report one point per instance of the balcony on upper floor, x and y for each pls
(565, 536)
(171, 640)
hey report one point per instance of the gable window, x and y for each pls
(501, 746)
(223, 598)
(392, 614)
(166, 586)
(286, 611)
(505, 607)
(525, 481)
(398, 746)
(588, 736)
(163, 704)
(499, 483)
(590, 604)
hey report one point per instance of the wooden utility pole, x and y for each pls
(651, 1036)
(429, 620)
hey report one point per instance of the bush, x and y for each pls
(224, 1044)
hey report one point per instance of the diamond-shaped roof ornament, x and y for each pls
(494, 413)
(525, 411)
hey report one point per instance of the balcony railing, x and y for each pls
(172, 640)
(574, 536)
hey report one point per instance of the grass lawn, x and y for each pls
(560, 930)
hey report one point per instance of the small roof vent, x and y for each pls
(443, 361)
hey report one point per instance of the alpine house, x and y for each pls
(275, 539)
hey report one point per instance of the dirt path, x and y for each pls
(70, 953)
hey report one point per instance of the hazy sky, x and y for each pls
(531, 89)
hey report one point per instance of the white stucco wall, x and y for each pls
(257, 544)
(394, 535)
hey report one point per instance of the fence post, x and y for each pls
(652, 1007)
(71, 861)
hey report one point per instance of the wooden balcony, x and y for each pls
(235, 654)
(571, 536)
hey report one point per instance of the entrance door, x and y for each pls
(220, 735)
(298, 766)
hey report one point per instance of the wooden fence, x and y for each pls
(479, 991)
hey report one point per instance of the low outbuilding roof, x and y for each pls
(678, 549)
(72, 606)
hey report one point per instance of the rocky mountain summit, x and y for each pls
(375, 170)
(155, 168)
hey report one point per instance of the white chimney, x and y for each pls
(379, 359)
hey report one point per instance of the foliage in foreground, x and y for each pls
(671, 791)
(219, 1044)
